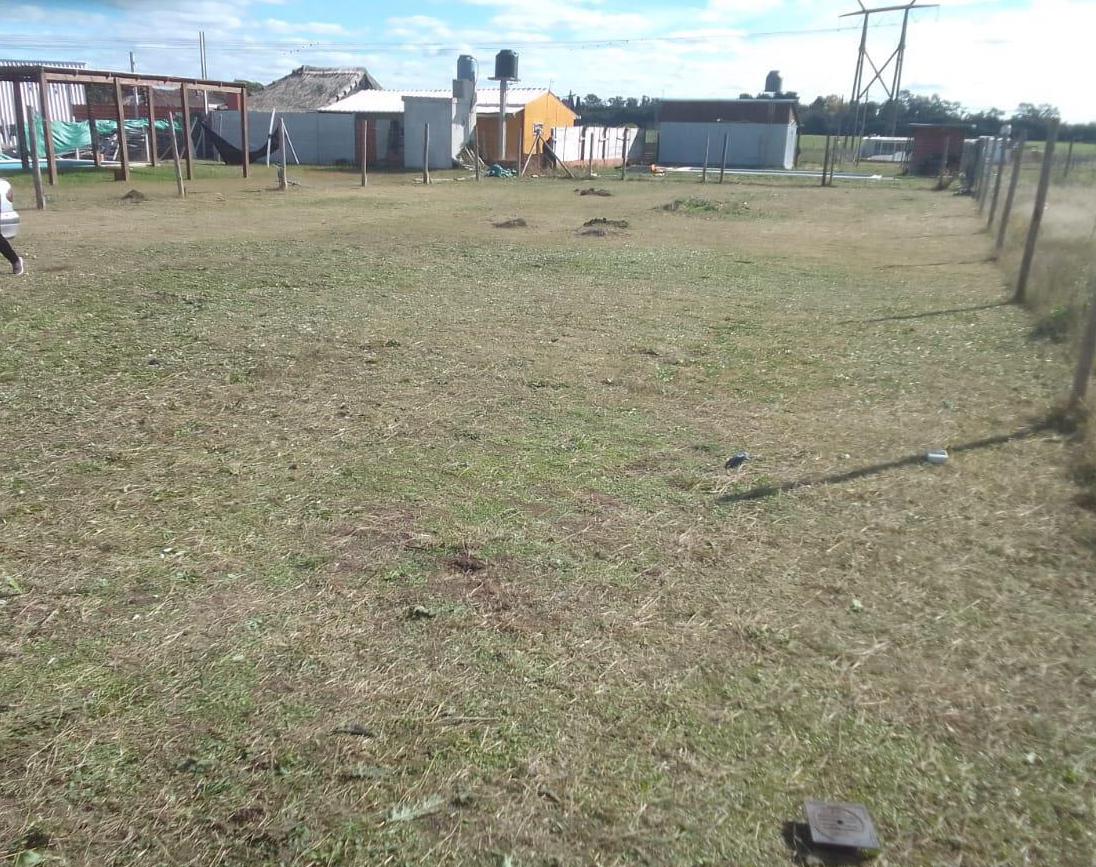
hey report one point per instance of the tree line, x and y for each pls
(833, 114)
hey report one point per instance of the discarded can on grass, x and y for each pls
(937, 456)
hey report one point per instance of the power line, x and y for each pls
(301, 45)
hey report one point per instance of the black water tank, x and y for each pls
(506, 65)
(773, 83)
(466, 67)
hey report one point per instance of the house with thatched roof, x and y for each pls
(309, 88)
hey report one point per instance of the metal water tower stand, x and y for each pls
(504, 75)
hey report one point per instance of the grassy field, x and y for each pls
(344, 527)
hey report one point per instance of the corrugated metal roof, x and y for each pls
(61, 96)
(781, 111)
(391, 101)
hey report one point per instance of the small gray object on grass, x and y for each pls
(737, 460)
(937, 456)
(846, 826)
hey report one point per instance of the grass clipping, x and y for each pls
(707, 207)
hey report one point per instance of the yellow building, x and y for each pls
(525, 108)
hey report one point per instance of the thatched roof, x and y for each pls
(311, 87)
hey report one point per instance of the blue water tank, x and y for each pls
(506, 65)
(466, 67)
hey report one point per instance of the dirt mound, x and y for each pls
(135, 197)
(594, 231)
(605, 221)
(516, 223)
(593, 191)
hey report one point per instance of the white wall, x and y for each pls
(750, 145)
(417, 113)
(577, 144)
(318, 139)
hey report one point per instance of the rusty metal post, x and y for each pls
(1037, 214)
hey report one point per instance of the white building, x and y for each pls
(761, 133)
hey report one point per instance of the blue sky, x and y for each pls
(966, 50)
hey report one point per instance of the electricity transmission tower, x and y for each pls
(894, 62)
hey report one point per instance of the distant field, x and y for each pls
(344, 527)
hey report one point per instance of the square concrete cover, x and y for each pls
(847, 825)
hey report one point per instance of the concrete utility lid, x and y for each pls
(846, 825)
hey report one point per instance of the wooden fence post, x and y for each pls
(365, 152)
(47, 130)
(187, 142)
(1010, 196)
(826, 159)
(1083, 373)
(997, 184)
(426, 153)
(283, 177)
(175, 157)
(476, 146)
(1037, 214)
(624, 157)
(123, 146)
(723, 161)
(35, 167)
(1069, 157)
(704, 173)
(944, 163)
(987, 171)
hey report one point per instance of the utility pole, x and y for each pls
(897, 57)
(132, 63)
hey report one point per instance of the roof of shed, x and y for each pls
(781, 111)
(308, 88)
(391, 101)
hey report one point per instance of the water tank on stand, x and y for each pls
(466, 67)
(773, 82)
(506, 65)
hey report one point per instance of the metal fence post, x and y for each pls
(1037, 214)
(723, 162)
(704, 173)
(426, 153)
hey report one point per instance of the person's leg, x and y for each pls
(7, 251)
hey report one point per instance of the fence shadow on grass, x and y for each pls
(762, 491)
(949, 312)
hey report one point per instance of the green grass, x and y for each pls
(248, 436)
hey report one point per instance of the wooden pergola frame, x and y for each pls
(44, 76)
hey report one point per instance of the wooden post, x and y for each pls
(186, 132)
(1037, 214)
(997, 184)
(1010, 196)
(704, 173)
(521, 146)
(96, 143)
(624, 157)
(476, 146)
(426, 153)
(120, 112)
(825, 160)
(1083, 373)
(723, 162)
(175, 157)
(365, 152)
(283, 178)
(983, 185)
(154, 157)
(47, 129)
(590, 159)
(269, 135)
(944, 163)
(244, 145)
(35, 166)
(20, 130)
(1069, 158)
